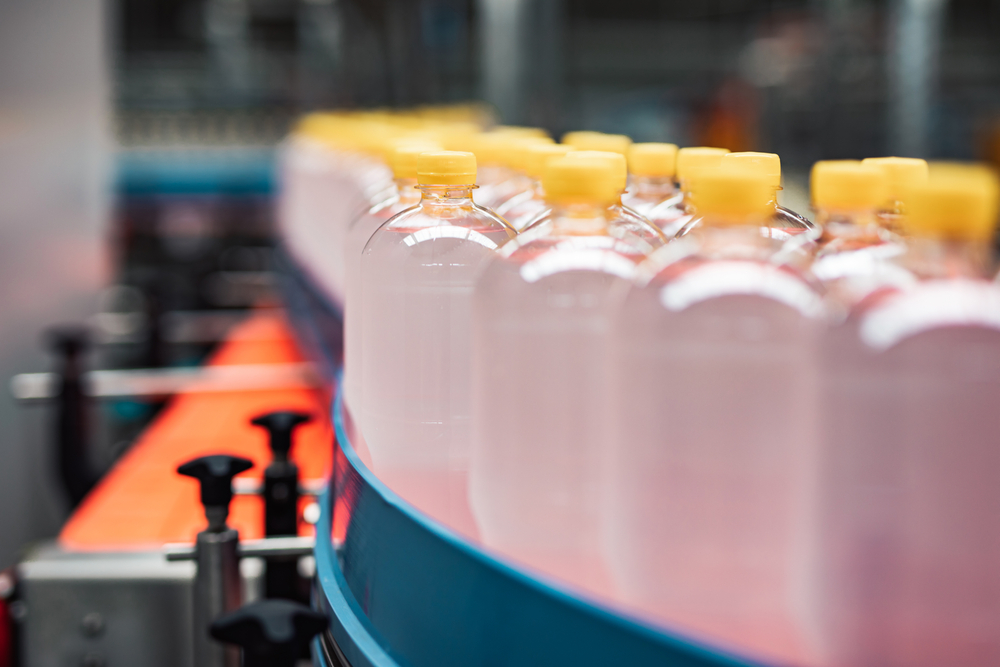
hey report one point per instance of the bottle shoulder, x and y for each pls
(522, 214)
(644, 203)
(623, 224)
(933, 305)
(535, 256)
(692, 277)
(469, 216)
(414, 228)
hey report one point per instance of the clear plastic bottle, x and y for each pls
(514, 153)
(711, 401)
(784, 222)
(652, 167)
(902, 174)
(671, 215)
(798, 234)
(856, 254)
(522, 209)
(537, 408)
(417, 274)
(908, 534)
(622, 220)
(404, 196)
(326, 180)
(499, 180)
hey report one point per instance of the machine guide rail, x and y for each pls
(268, 547)
(163, 382)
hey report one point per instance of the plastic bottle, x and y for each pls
(652, 168)
(405, 195)
(514, 153)
(857, 253)
(784, 222)
(537, 408)
(711, 401)
(622, 220)
(521, 210)
(417, 274)
(498, 181)
(908, 536)
(320, 171)
(902, 175)
(673, 214)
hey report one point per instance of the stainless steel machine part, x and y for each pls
(123, 608)
(216, 591)
(104, 609)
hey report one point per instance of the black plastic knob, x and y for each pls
(215, 472)
(280, 426)
(68, 341)
(272, 633)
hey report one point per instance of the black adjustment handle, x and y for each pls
(216, 474)
(280, 426)
(281, 503)
(272, 633)
(72, 428)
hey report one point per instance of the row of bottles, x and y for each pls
(628, 367)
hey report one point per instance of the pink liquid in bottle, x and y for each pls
(908, 535)
(358, 233)
(417, 275)
(712, 399)
(538, 407)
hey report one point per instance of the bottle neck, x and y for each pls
(581, 219)
(446, 195)
(536, 189)
(940, 259)
(774, 198)
(687, 188)
(652, 187)
(734, 238)
(854, 225)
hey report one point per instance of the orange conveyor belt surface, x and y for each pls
(142, 503)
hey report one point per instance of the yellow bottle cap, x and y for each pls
(580, 181)
(733, 196)
(539, 156)
(847, 185)
(597, 141)
(315, 125)
(901, 173)
(404, 158)
(515, 150)
(653, 159)
(767, 164)
(616, 161)
(457, 136)
(695, 159)
(446, 168)
(956, 202)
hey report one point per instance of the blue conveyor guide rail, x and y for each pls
(402, 589)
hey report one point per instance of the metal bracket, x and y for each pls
(158, 383)
(269, 547)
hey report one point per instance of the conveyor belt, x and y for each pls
(143, 504)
